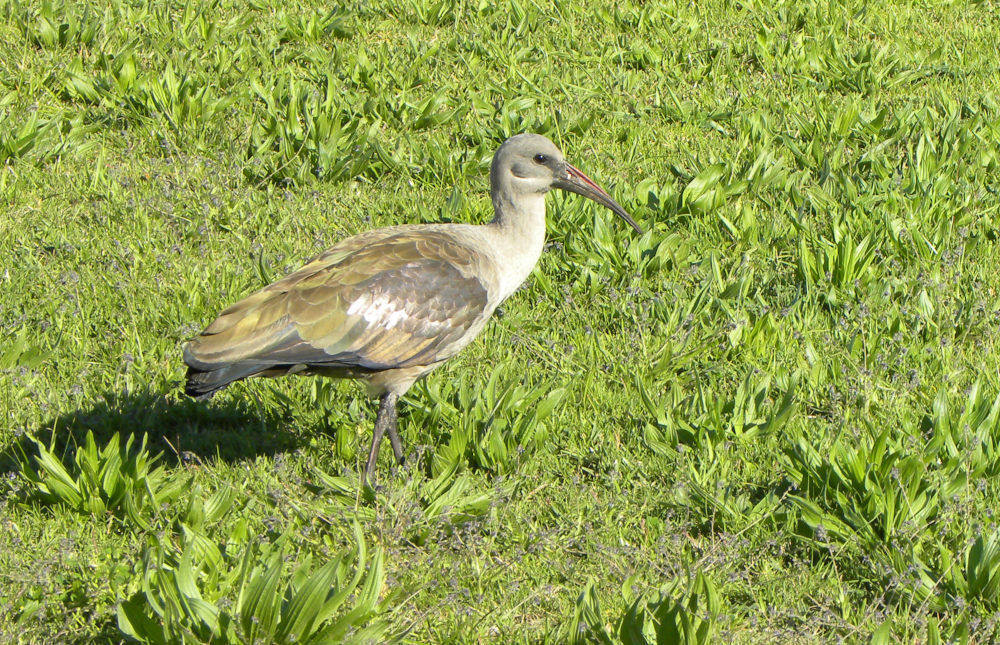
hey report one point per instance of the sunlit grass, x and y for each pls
(772, 417)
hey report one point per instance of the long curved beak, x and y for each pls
(576, 182)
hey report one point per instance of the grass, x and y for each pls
(774, 417)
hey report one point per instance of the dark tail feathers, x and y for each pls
(202, 384)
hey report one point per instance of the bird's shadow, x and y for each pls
(182, 429)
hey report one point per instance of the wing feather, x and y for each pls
(409, 298)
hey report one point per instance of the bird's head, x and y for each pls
(531, 164)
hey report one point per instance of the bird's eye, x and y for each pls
(541, 159)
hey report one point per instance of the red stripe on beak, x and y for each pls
(573, 171)
(576, 182)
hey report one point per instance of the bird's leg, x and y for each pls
(397, 444)
(386, 420)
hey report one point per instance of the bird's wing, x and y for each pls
(406, 299)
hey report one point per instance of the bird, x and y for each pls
(390, 305)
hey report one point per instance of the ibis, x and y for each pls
(390, 305)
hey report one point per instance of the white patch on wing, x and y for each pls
(380, 310)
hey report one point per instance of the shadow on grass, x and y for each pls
(182, 429)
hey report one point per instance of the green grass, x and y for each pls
(772, 418)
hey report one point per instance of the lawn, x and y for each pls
(772, 417)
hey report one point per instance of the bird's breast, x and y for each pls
(515, 261)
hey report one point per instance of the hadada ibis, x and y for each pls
(390, 305)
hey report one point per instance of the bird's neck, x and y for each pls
(518, 227)
(520, 218)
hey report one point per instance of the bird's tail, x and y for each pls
(202, 384)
